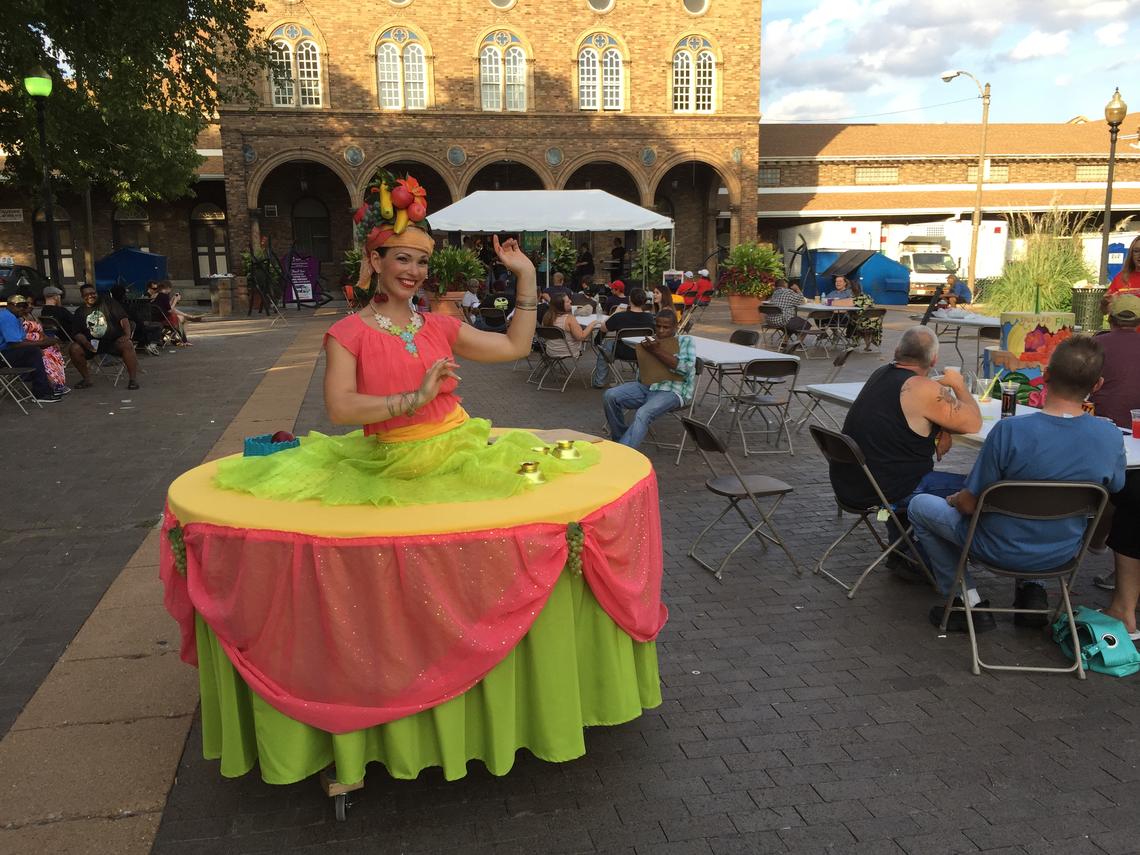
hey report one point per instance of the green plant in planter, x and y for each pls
(751, 270)
(351, 265)
(452, 266)
(563, 256)
(1042, 280)
(650, 261)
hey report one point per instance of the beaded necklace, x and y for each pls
(407, 333)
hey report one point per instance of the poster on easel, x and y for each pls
(302, 275)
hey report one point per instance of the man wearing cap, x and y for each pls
(705, 286)
(688, 288)
(22, 353)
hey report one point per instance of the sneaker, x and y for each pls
(60, 391)
(153, 350)
(133, 384)
(1106, 582)
(1030, 597)
(84, 384)
(983, 621)
(50, 400)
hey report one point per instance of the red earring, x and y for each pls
(379, 297)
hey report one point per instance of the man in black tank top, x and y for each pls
(900, 420)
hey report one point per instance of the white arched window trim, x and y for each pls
(415, 77)
(704, 83)
(388, 76)
(308, 74)
(515, 61)
(281, 73)
(491, 78)
(612, 89)
(588, 79)
(682, 82)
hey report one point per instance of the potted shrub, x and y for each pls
(563, 258)
(650, 261)
(450, 268)
(750, 274)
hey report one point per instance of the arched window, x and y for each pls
(130, 226)
(502, 72)
(600, 82)
(401, 70)
(295, 68)
(694, 76)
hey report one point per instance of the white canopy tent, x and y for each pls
(546, 211)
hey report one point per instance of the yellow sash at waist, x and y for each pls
(424, 430)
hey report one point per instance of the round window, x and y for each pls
(399, 2)
(502, 4)
(601, 5)
(696, 7)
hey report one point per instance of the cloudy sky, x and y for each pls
(1046, 60)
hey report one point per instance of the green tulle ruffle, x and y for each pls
(354, 469)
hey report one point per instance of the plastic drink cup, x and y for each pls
(829, 301)
(1136, 424)
(1009, 399)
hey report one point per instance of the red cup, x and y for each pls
(1136, 424)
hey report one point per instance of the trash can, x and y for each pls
(221, 293)
(1086, 306)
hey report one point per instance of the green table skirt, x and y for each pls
(574, 668)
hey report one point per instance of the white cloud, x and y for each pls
(1038, 44)
(1112, 35)
(1062, 80)
(809, 105)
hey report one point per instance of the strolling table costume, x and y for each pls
(402, 593)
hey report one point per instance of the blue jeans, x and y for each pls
(601, 367)
(933, 483)
(650, 405)
(936, 526)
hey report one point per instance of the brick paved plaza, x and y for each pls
(794, 720)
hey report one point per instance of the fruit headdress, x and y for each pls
(394, 213)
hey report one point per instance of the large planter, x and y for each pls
(447, 304)
(744, 309)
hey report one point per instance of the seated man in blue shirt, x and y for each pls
(24, 354)
(652, 402)
(1037, 446)
(956, 291)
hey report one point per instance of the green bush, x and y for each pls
(751, 270)
(650, 261)
(452, 266)
(563, 256)
(1042, 281)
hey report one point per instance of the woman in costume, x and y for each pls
(394, 371)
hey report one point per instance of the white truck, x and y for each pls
(930, 251)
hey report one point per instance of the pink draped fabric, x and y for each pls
(344, 634)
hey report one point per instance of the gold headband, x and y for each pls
(413, 238)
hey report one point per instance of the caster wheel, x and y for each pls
(340, 805)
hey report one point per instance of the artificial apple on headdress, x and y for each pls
(407, 191)
(417, 210)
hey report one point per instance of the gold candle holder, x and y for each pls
(532, 473)
(541, 449)
(564, 450)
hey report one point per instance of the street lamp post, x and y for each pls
(37, 82)
(1114, 113)
(976, 218)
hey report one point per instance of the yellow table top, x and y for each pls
(193, 498)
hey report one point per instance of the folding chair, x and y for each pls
(494, 320)
(13, 384)
(638, 333)
(737, 488)
(762, 374)
(990, 334)
(351, 305)
(1029, 500)
(840, 449)
(829, 335)
(719, 374)
(803, 396)
(551, 362)
(773, 331)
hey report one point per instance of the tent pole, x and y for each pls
(673, 248)
(548, 259)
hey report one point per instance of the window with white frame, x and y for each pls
(1092, 172)
(600, 68)
(694, 76)
(295, 68)
(992, 174)
(876, 175)
(502, 72)
(401, 70)
(768, 176)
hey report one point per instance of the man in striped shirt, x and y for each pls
(653, 401)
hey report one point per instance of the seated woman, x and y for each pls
(559, 315)
(20, 305)
(394, 371)
(864, 325)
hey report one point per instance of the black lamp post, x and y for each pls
(37, 82)
(1114, 113)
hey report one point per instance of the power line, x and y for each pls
(872, 115)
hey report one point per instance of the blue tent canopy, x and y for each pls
(133, 267)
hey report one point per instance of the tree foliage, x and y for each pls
(134, 82)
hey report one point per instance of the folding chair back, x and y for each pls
(580, 299)
(837, 447)
(703, 436)
(771, 369)
(350, 298)
(749, 338)
(1036, 500)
